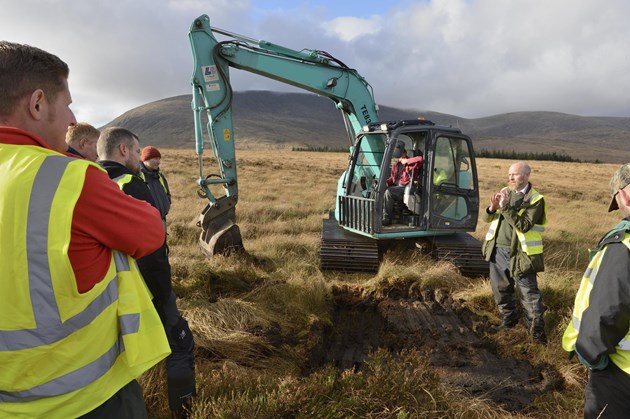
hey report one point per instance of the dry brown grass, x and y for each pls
(236, 305)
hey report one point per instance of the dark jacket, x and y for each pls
(520, 262)
(72, 150)
(159, 189)
(155, 268)
(605, 321)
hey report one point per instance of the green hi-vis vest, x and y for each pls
(122, 180)
(621, 357)
(62, 353)
(531, 241)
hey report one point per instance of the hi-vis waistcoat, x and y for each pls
(621, 357)
(531, 241)
(160, 177)
(62, 353)
(122, 180)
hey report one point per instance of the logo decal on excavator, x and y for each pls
(366, 114)
(226, 134)
(210, 73)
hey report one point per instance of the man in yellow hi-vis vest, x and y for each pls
(599, 332)
(513, 246)
(77, 325)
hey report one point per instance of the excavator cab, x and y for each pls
(442, 194)
(440, 202)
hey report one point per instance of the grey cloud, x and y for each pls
(470, 58)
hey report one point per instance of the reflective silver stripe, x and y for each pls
(535, 243)
(576, 323)
(129, 323)
(14, 340)
(591, 273)
(624, 344)
(121, 261)
(45, 186)
(538, 228)
(72, 381)
(587, 274)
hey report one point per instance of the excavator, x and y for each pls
(440, 203)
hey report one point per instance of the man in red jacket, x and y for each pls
(34, 118)
(399, 178)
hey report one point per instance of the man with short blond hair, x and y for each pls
(81, 139)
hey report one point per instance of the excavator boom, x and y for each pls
(314, 71)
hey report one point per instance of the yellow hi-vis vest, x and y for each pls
(122, 180)
(531, 241)
(621, 357)
(160, 177)
(62, 353)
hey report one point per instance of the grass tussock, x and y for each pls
(253, 315)
(388, 386)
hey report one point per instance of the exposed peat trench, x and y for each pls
(440, 329)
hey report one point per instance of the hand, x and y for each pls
(503, 198)
(495, 202)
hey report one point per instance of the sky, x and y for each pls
(470, 58)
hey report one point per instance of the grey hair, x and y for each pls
(111, 138)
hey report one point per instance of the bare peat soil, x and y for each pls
(451, 337)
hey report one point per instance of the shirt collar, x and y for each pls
(526, 188)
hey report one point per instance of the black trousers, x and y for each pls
(180, 364)
(607, 393)
(526, 287)
(127, 403)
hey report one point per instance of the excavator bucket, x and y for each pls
(219, 233)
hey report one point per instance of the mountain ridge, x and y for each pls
(282, 120)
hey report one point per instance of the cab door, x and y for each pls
(452, 184)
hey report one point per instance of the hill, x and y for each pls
(282, 120)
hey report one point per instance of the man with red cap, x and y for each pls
(150, 172)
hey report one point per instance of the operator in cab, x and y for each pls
(399, 178)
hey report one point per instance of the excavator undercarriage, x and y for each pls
(343, 251)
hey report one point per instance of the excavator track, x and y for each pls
(343, 251)
(461, 249)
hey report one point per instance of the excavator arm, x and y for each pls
(314, 71)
